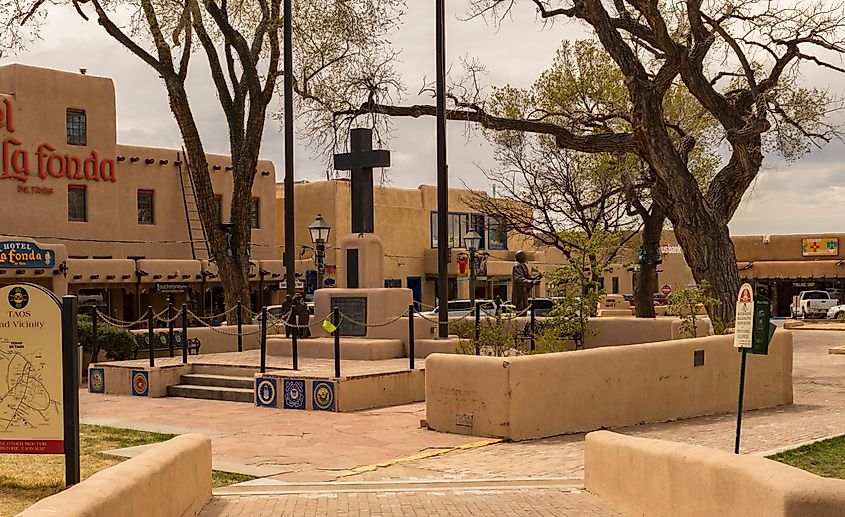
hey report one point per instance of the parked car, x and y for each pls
(837, 312)
(460, 308)
(810, 304)
(274, 312)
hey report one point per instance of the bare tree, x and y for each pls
(739, 61)
(241, 44)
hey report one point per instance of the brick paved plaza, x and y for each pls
(387, 446)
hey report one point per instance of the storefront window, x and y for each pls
(76, 210)
(459, 224)
(77, 127)
(497, 233)
(145, 207)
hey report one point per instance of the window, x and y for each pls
(459, 224)
(393, 282)
(614, 283)
(77, 127)
(256, 220)
(76, 209)
(497, 233)
(145, 207)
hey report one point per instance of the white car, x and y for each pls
(461, 308)
(837, 312)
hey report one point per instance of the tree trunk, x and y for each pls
(646, 284)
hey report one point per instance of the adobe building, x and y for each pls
(406, 220)
(115, 224)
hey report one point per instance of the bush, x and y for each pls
(116, 343)
(684, 303)
(496, 337)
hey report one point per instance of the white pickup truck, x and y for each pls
(812, 304)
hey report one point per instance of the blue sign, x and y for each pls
(323, 396)
(97, 380)
(294, 394)
(25, 254)
(265, 392)
(140, 383)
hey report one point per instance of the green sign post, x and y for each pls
(753, 320)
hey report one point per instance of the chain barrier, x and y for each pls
(221, 331)
(114, 322)
(318, 322)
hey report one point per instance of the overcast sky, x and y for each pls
(804, 197)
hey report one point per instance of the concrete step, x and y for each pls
(226, 381)
(211, 393)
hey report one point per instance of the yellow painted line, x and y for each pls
(420, 456)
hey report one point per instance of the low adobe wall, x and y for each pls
(172, 478)
(641, 476)
(545, 395)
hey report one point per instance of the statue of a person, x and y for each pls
(523, 282)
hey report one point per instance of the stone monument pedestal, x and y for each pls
(365, 305)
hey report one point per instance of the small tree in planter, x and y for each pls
(684, 303)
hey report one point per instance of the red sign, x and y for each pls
(19, 163)
(32, 446)
(666, 289)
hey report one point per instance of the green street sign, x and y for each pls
(763, 329)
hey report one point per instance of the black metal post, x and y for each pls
(336, 334)
(263, 339)
(411, 335)
(184, 333)
(240, 328)
(70, 389)
(151, 334)
(320, 255)
(533, 322)
(739, 405)
(294, 344)
(290, 243)
(202, 296)
(170, 318)
(260, 296)
(95, 346)
(442, 173)
(472, 274)
(477, 308)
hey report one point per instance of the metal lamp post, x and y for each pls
(319, 231)
(472, 240)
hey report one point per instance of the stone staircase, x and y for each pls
(214, 387)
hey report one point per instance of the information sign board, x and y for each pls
(744, 323)
(354, 308)
(31, 413)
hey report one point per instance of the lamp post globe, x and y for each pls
(319, 231)
(472, 240)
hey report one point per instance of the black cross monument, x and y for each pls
(361, 161)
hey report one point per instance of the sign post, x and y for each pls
(39, 375)
(753, 331)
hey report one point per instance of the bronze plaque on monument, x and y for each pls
(352, 308)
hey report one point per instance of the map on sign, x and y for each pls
(744, 325)
(31, 411)
(25, 399)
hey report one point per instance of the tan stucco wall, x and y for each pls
(640, 476)
(217, 339)
(603, 387)
(171, 479)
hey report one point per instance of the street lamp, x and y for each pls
(472, 240)
(319, 231)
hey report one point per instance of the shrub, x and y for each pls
(684, 302)
(116, 343)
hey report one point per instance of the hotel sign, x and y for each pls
(820, 247)
(18, 162)
(22, 254)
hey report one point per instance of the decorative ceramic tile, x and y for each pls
(323, 396)
(294, 394)
(97, 380)
(140, 383)
(265, 392)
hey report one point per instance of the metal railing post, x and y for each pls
(336, 321)
(95, 346)
(411, 335)
(151, 334)
(263, 339)
(533, 323)
(170, 318)
(240, 324)
(477, 328)
(184, 333)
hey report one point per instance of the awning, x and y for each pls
(164, 270)
(788, 269)
(101, 271)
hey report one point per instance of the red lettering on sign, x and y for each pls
(59, 170)
(73, 167)
(41, 154)
(6, 116)
(8, 170)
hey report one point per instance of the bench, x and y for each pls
(162, 343)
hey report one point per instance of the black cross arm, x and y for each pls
(354, 160)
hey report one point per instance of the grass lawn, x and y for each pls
(825, 458)
(26, 478)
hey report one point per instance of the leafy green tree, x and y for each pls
(685, 302)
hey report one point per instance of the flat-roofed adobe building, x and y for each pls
(120, 220)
